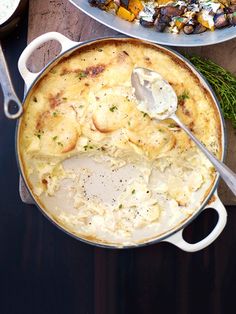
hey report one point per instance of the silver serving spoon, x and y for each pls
(158, 99)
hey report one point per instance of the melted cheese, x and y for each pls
(85, 108)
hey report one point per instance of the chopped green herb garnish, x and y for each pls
(179, 19)
(144, 114)
(81, 75)
(113, 108)
(64, 98)
(81, 106)
(86, 147)
(54, 138)
(59, 143)
(133, 191)
(184, 95)
(38, 133)
(100, 50)
(120, 206)
(54, 114)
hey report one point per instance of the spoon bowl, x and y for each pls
(155, 96)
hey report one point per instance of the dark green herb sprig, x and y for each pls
(223, 83)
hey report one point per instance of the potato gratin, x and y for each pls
(100, 167)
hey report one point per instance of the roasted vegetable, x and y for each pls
(124, 3)
(163, 2)
(232, 19)
(232, 8)
(125, 14)
(204, 22)
(135, 6)
(99, 3)
(146, 23)
(225, 2)
(157, 12)
(180, 22)
(199, 28)
(220, 20)
(188, 29)
(161, 22)
(172, 11)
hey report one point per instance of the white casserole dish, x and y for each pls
(174, 235)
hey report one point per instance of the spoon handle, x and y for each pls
(227, 174)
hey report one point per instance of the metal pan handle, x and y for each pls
(8, 90)
(178, 240)
(28, 76)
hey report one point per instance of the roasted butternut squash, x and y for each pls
(135, 6)
(204, 22)
(125, 14)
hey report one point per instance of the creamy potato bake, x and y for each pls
(100, 167)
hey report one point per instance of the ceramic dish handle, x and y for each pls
(178, 240)
(28, 76)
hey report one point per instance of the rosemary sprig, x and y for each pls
(223, 83)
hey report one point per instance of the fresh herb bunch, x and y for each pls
(222, 82)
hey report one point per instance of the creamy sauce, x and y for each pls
(148, 11)
(7, 8)
(208, 10)
(210, 6)
(164, 97)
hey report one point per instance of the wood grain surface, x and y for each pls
(63, 17)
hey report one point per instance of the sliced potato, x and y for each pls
(57, 132)
(153, 140)
(113, 109)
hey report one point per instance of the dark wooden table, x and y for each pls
(44, 271)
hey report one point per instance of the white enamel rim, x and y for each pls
(174, 236)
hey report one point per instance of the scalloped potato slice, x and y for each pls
(119, 69)
(113, 109)
(153, 140)
(58, 133)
